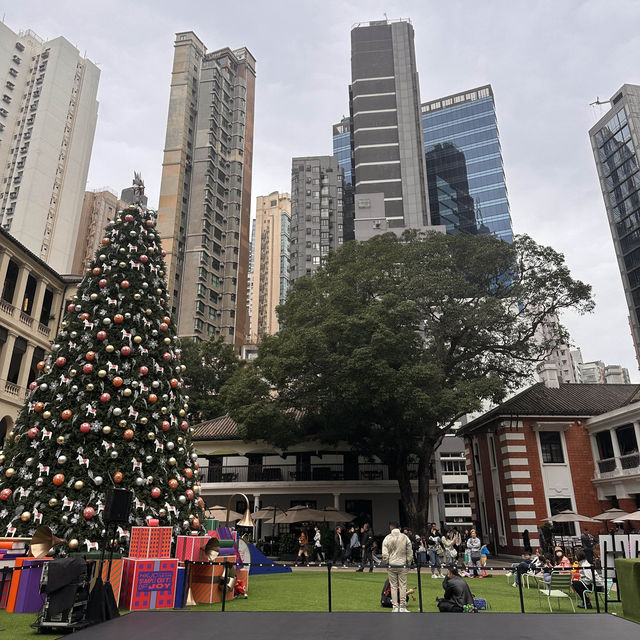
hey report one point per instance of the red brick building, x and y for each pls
(532, 456)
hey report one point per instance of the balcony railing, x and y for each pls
(7, 308)
(44, 330)
(25, 318)
(607, 465)
(16, 392)
(620, 466)
(298, 473)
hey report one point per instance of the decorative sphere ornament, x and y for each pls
(106, 321)
(122, 250)
(74, 388)
(33, 433)
(133, 234)
(53, 501)
(28, 462)
(65, 518)
(156, 493)
(165, 425)
(125, 284)
(148, 311)
(73, 372)
(144, 420)
(117, 477)
(184, 425)
(46, 415)
(98, 480)
(105, 397)
(93, 297)
(162, 512)
(40, 365)
(148, 459)
(85, 427)
(88, 512)
(195, 523)
(114, 454)
(143, 370)
(26, 516)
(173, 483)
(166, 356)
(137, 296)
(33, 386)
(182, 499)
(153, 397)
(174, 383)
(163, 326)
(128, 434)
(127, 392)
(66, 414)
(73, 544)
(188, 472)
(96, 271)
(60, 439)
(5, 494)
(155, 384)
(139, 482)
(109, 348)
(78, 484)
(144, 258)
(154, 332)
(122, 265)
(182, 413)
(101, 335)
(180, 439)
(61, 361)
(90, 387)
(62, 459)
(189, 493)
(105, 240)
(71, 307)
(38, 407)
(159, 291)
(117, 382)
(87, 368)
(194, 456)
(118, 318)
(126, 350)
(167, 340)
(2, 458)
(170, 445)
(137, 339)
(123, 423)
(102, 283)
(106, 430)
(151, 435)
(90, 355)
(58, 479)
(149, 479)
(102, 373)
(128, 217)
(39, 482)
(172, 461)
(196, 489)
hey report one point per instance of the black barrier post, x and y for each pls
(224, 584)
(603, 562)
(595, 588)
(329, 584)
(520, 590)
(419, 589)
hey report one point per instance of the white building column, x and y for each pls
(38, 300)
(336, 501)
(7, 353)
(25, 365)
(256, 501)
(636, 428)
(4, 264)
(21, 286)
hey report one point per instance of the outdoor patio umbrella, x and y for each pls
(331, 514)
(300, 514)
(569, 516)
(611, 515)
(220, 513)
(635, 516)
(267, 513)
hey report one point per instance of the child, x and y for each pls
(484, 554)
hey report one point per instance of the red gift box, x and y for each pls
(192, 548)
(150, 542)
(148, 583)
(206, 581)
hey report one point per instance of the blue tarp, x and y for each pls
(258, 557)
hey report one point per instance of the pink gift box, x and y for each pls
(148, 583)
(192, 548)
(150, 542)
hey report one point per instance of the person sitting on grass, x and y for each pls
(457, 594)
(385, 596)
(585, 580)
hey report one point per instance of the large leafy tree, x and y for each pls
(209, 365)
(396, 338)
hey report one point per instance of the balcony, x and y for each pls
(17, 393)
(25, 318)
(294, 473)
(618, 467)
(7, 308)
(44, 330)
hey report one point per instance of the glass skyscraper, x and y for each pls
(342, 146)
(465, 175)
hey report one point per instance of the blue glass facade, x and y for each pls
(342, 147)
(465, 174)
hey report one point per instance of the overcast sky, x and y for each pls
(547, 61)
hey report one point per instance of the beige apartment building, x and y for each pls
(204, 212)
(48, 114)
(32, 302)
(270, 262)
(98, 209)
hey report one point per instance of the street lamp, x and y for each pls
(246, 520)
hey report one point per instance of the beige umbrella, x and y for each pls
(220, 513)
(611, 514)
(300, 514)
(267, 513)
(569, 516)
(635, 516)
(331, 514)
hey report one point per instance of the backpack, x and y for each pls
(480, 604)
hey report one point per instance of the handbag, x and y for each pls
(475, 556)
(453, 552)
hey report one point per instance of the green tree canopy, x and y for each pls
(396, 338)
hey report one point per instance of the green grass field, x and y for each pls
(351, 591)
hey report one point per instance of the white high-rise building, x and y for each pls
(48, 113)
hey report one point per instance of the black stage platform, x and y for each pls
(174, 625)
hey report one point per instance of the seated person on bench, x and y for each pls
(456, 593)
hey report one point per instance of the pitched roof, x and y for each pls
(568, 400)
(220, 428)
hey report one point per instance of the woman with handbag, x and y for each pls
(450, 542)
(474, 545)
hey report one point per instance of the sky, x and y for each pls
(546, 60)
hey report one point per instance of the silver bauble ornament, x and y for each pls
(44, 386)
(114, 454)
(74, 388)
(139, 482)
(106, 321)
(103, 257)
(136, 296)
(62, 459)
(148, 459)
(144, 285)
(117, 411)
(162, 512)
(127, 316)
(73, 334)
(181, 450)
(155, 384)
(182, 499)
(28, 462)
(170, 445)
(39, 482)
(97, 480)
(194, 456)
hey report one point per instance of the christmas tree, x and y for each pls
(108, 408)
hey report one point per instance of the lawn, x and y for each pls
(351, 591)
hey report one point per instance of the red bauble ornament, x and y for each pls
(88, 512)
(96, 271)
(105, 240)
(195, 523)
(117, 477)
(105, 397)
(143, 370)
(189, 493)
(163, 326)
(118, 318)
(71, 307)
(149, 223)
(174, 383)
(184, 425)
(188, 472)
(125, 284)
(153, 397)
(126, 350)
(152, 522)
(165, 425)
(117, 381)
(33, 386)
(128, 217)
(102, 283)
(156, 493)
(66, 414)
(144, 258)
(58, 479)
(5, 494)
(87, 368)
(85, 427)
(101, 335)
(128, 434)
(163, 253)
(40, 365)
(166, 356)
(61, 361)
(38, 407)
(166, 319)
(84, 316)
(33, 432)
(173, 483)
(90, 355)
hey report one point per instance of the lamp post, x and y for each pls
(246, 520)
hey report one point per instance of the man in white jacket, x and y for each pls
(397, 554)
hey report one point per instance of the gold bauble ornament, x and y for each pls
(9, 472)
(148, 311)
(159, 291)
(136, 296)
(106, 430)
(10, 434)
(64, 324)
(127, 392)
(109, 348)
(196, 489)
(162, 512)
(144, 420)
(73, 543)
(26, 516)
(60, 439)
(72, 372)
(123, 423)
(102, 373)
(182, 413)
(191, 517)
(53, 502)
(180, 440)
(167, 340)
(93, 296)
(151, 435)
(172, 461)
(2, 458)
(163, 410)
(89, 387)
(46, 414)
(137, 339)
(122, 265)
(78, 484)
(183, 368)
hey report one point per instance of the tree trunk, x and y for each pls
(415, 504)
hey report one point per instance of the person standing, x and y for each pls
(354, 545)
(588, 543)
(433, 542)
(474, 544)
(397, 554)
(318, 554)
(338, 547)
(366, 540)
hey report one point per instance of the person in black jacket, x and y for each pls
(456, 593)
(338, 547)
(366, 541)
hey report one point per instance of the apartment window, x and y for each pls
(456, 499)
(551, 447)
(316, 260)
(197, 325)
(492, 452)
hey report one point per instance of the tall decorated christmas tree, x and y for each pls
(108, 408)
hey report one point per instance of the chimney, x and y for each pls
(549, 374)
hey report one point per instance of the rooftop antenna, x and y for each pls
(598, 102)
(385, 16)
